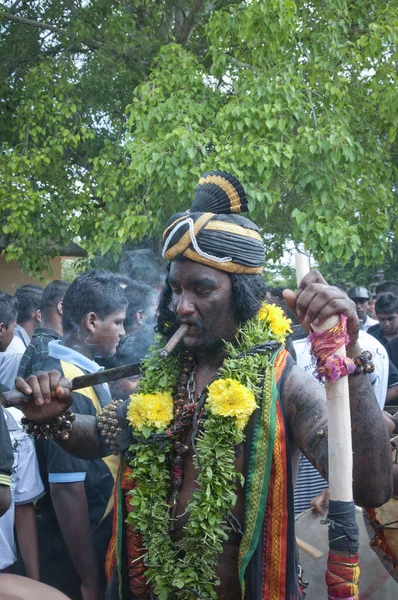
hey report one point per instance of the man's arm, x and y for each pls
(315, 302)
(5, 497)
(26, 530)
(52, 396)
(84, 440)
(71, 508)
(305, 403)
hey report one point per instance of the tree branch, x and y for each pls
(166, 24)
(30, 22)
(72, 7)
(47, 26)
(14, 7)
(190, 22)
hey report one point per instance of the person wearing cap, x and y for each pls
(209, 444)
(360, 295)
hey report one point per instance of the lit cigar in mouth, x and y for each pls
(174, 340)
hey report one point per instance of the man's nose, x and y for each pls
(185, 305)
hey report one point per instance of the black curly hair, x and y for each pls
(247, 294)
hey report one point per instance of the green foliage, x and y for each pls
(160, 374)
(112, 110)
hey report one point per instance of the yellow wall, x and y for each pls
(11, 277)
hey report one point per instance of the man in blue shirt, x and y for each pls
(75, 516)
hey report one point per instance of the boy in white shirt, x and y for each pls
(26, 488)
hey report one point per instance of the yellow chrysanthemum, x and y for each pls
(274, 315)
(151, 410)
(229, 398)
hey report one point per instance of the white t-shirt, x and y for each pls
(26, 484)
(367, 342)
(11, 358)
(368, 323)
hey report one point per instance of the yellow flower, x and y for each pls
(229, 398)
(275, 317)
(151, 410)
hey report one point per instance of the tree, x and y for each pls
(112, 110)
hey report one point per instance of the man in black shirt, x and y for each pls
(387, 314)
(51, 328)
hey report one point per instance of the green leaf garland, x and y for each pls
(186, 569)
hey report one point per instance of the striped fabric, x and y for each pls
(309, 484)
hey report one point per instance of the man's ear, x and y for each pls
(90, 321)
(37, 315)
(140, 316)
(2, 328)
(60, 308)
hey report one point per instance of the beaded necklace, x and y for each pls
(183, 417)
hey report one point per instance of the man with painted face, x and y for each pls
(209, 506)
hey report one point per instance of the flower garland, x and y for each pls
(186, 569)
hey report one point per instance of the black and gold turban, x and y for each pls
(212, 232)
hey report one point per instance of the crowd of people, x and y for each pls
(64, 491)
(61, 507)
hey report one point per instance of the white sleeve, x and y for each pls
(29, 486)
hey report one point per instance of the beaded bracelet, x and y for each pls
(364, 363)
(57, 429)
(108, 423)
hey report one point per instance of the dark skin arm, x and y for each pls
(5, 498)
(71, 508)
(26, 530)
(52, 396)
(391, 422)
(392, 393)
(306, 413)
(315, 302)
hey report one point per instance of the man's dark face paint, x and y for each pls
(201, 297)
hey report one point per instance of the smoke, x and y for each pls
(143, 265)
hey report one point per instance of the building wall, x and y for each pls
(11, 276)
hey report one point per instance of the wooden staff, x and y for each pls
(339, 416)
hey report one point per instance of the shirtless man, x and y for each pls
(202, 293)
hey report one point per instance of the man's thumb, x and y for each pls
(291, 299)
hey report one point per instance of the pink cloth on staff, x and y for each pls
(324, 344)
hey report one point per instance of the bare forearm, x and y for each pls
(5, 498)
(26, 530)
(372, 472)
(71, 508)
(306, 411)
(392, 393)
(84, 441)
